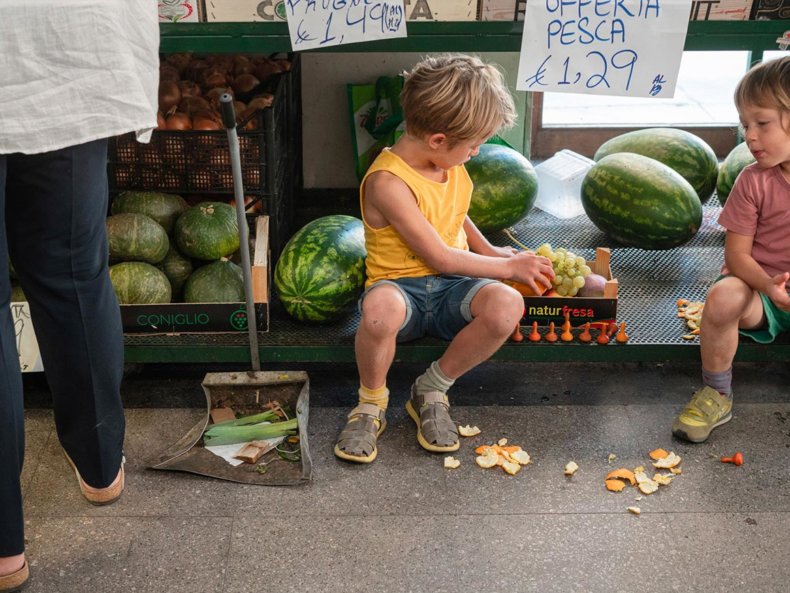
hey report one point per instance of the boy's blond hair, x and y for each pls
(766, 85)
(457, 95)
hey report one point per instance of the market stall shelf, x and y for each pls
(650, 284)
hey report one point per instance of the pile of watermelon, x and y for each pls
(321, 269)
(163, 250)
(647, 187)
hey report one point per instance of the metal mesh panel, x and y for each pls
(650, 284)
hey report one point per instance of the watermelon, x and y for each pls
(136, 237)
(139, 283)
(733, 164)
(207, 231)
(506, 186)
(163, 208)
(322, 268)
(221, 281)
(177, 268)
(685, 153)
(641, 202)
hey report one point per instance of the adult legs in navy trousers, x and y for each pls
(52, 213)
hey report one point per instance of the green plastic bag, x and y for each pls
(376, 119)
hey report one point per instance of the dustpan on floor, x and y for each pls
(247, 392)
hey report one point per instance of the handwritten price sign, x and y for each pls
(324, 23)
(603, 47)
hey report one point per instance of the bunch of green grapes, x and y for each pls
(569, 269)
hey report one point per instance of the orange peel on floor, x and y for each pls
(622, 474)
(615, 485)
(657, 454)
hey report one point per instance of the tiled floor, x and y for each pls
(406, 524)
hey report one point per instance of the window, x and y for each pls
(702, 105)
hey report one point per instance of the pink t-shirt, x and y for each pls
(759, 205)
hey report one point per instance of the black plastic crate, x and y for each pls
(192, 163)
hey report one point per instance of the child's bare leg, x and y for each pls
(383, 313)
(730, 304)
(496, 309)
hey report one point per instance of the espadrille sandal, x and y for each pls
(16, 581)
(100, 496)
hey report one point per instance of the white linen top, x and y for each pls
(73, 71)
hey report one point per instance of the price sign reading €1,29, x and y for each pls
(324, 23)
(603, 47)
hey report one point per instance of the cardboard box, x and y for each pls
(720, 10)
(440, 10)
(771, 10)
(26, 343)
(502, 10)
(545, 309)
(180, 11)
(192, 318)
(245, 11)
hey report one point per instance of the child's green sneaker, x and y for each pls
(707, 409)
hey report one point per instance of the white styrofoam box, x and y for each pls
(559, 183)
(179, 11)
(245, 11)
(502, 10)
(440, 10)
(720, 10)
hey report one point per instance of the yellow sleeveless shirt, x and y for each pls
(444, 205)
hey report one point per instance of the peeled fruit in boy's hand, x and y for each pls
(525, 290)
(593, 286)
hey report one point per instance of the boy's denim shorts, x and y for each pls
(438, 306)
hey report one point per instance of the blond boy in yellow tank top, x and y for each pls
(430, 270)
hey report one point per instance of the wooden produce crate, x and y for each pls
(196, 318)
(545, 309)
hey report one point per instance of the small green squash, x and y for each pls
(218, 282)
(207, 231)
(136, 237)
(139, 283)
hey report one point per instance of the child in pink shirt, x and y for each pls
(752, 297)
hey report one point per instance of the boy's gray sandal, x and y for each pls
(357, 441)
(436, 431)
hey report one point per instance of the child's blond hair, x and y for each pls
(457, 95)
(766, 85)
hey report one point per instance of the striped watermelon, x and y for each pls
(322, 268)
(641, 202)
(733, 164)
(506, 186)
(685, 153)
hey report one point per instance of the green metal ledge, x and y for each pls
(650, 282)
(502, 36)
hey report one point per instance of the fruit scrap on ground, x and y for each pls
(510, 458)
(570, 468)
(451, 462)
(691, 312)
(618, 479)
(468, 431)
